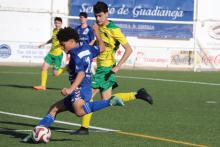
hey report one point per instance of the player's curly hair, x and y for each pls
(100, 7)
(66, 34)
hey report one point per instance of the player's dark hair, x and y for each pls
(66, 34)
(84, 14)
(58, 19)
(100, 7)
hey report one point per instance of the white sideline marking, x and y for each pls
(130, 77)
(116, 131)
(58, 121)
(58, 130)
(15, 130)
(167, 80)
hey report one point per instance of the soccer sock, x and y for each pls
(95, 106)
(60, 71)
(43, 78)
(86, 119)
(126, 96)
(46, 121)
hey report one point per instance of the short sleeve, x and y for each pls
(95, 50)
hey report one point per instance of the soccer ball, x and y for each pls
(41, 134)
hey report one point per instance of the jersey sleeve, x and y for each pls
(95, 50)
(119, 36)
(79, 64)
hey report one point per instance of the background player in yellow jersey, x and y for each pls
(104, 79)
(54, 57)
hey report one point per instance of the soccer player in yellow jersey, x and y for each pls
(54, 57)
(104, 79)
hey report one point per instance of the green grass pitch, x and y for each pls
(185, 112)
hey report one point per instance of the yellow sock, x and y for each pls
(60, 71)
(43, 78)
(129, 96)
(86, 119)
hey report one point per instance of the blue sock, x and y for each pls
(46, 121)
(95, 106)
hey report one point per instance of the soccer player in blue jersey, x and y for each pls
(78, 95)
(85, 31)
(104, 80)
(86, 34)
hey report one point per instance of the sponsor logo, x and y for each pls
(214, 31)
(139, 11)
(210, 60)
(182, 58)
(5, 51)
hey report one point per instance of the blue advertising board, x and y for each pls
(159, 10)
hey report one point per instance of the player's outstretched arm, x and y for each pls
(43, 44)
(127, 53)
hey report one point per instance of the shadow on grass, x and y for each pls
(22, 134)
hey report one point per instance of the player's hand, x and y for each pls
(42, 45)
(108, 75)
(115, 69)
(66, 91)
(95, 28)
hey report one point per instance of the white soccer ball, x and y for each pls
(41, 134)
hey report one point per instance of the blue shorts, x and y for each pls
(84, 93)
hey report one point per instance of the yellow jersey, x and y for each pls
(56, 48)
(112, 36)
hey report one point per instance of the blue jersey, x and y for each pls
(86, 35)
(80, 60)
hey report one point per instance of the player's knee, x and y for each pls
(44, 67)
(78, 108)
(56, 73)
(79, 112)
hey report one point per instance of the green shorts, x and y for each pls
(54, 60)
(98, 80)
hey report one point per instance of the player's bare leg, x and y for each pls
(106, 94)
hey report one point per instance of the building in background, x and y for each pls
(25, 25)
(193, 45)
